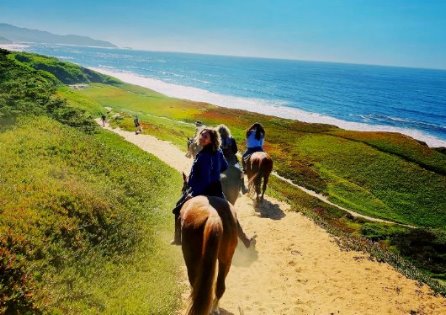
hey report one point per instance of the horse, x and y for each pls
(209, 231)
(192, 147)
(259, 165)
(230, 179)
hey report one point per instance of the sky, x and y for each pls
(398, 32)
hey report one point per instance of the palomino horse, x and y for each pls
(230, 179)
(209, 230)
(258, 167)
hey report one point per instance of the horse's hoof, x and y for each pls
(175, 242)
(253, 241)
(215, 308)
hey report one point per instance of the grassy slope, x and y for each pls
(89, 217)
(84, 215)
(347, 166)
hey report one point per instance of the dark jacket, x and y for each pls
(206, 170)
(229, 147)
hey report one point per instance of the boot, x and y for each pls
(177, 236)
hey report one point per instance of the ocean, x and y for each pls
(357, 97)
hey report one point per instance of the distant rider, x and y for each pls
(255, 138)
(229, 148)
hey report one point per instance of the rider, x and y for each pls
(229, 148)
(228, 144)
(103, 119)
(137, 123)
(204, 177)
(255, 138)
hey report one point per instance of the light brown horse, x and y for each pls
(258, 167)
(209, 231)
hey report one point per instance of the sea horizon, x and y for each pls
(315, 97)
(20, 46)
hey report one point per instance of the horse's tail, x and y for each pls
(202, 292)
(267, 168)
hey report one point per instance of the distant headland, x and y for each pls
(13, 34)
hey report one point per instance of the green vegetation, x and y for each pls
(67, 73)
(84, 216)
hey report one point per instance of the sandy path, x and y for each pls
(297, 267)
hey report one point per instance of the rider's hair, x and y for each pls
(260, 132)
(224, 131)
(215, 138)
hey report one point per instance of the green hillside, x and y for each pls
(84, 216)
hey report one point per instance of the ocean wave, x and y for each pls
(405, 121)
(14, 46)
(276, 108)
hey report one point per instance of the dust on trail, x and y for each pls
(297, 267)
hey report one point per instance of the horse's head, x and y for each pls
(188, 144)
(192, 147)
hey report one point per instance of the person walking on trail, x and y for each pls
(229, 148)
(138, 128)
(103, 119)
(204, 177)
(255, 138)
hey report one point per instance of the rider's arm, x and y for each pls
(200, 175)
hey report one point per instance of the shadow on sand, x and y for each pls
(267, 209)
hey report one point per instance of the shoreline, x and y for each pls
(260, 106)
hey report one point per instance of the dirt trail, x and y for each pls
(297, 267)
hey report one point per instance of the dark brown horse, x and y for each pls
(258, 168)
(209, 231)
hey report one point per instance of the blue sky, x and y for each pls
(397, 32)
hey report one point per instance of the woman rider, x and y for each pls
(255, 138)
(204, 177)
(229, 148)
(228, 144)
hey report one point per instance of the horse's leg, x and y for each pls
(241, 234)
(265, 182)
(223, 269)
(258, 183)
